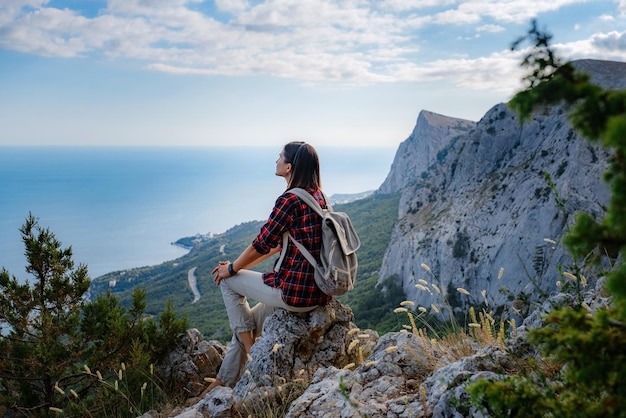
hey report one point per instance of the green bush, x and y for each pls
(60, 352)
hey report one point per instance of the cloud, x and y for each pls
(612, 41)
(349, 41)
(490, 28)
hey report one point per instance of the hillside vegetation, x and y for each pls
(373, 218)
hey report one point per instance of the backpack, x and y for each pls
(337, 272)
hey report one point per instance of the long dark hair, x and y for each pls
(305, 165)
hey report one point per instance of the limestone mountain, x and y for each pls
(484, 205)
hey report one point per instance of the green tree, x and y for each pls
(50, 332)
(587, 348)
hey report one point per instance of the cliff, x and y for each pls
(477, 208)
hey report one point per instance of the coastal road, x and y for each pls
(191, 278)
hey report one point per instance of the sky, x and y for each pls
(247, 72)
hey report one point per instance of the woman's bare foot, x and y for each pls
(213, 385)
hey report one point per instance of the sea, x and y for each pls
(124, 207)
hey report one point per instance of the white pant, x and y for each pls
(236, 290)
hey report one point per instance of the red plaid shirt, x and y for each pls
(295, 277)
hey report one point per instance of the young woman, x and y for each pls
(292, 287)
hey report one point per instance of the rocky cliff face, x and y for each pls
(415, 155)
(477, 211)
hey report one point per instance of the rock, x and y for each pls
(291, 349)
(295, 345)
(475, 201)
(191, 361)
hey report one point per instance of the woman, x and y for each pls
(293, 286)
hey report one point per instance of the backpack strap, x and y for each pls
(314, 204)
(310, 200)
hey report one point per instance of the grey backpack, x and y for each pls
(337, 272)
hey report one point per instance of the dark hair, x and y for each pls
(305, 165)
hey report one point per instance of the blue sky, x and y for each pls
(239, 72)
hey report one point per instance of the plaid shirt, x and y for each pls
(296, 275)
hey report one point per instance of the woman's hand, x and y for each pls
(221, 272)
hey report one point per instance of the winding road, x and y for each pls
(191, 278)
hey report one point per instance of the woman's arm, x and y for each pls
(249, 257)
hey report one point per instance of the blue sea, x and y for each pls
(123, 207)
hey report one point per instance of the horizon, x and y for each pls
(336, 73)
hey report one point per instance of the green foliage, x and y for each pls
(588, 348)
(50, 331)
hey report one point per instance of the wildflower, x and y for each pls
(484, 294)
(58, 389)
(353, 344)
(420, 287)
(371, 363)
(99, 375)
(119, 374)
(424, 282)
(301, 372)
(247, 372)
(435, 308)
(558, 283)
(123, 366)
(500, 273)
(249, 357)
(549, 241)
(276, 347)
(55, 409)
(73, 392)
(461, 290)
(473, 325)
(400, 310)
(391, 348)
(586, 306)
(87, 369)
(348, 366)
(363, 336)
(207, 379)
(425, 267)
(407, 303)
(583, 281)
(353, 331)
(116, 385)
(403, 331)
(422, 309)
(151, 368)
(569, 275)
(436, 288)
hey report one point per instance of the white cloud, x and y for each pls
(231, 6)
(612, 41)
(490, 28)
(347, 41)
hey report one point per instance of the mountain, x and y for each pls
(484, 205)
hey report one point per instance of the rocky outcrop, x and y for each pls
(488, 216)
(290, 350)
(415, 155)
(294, 346)
(193, 360)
